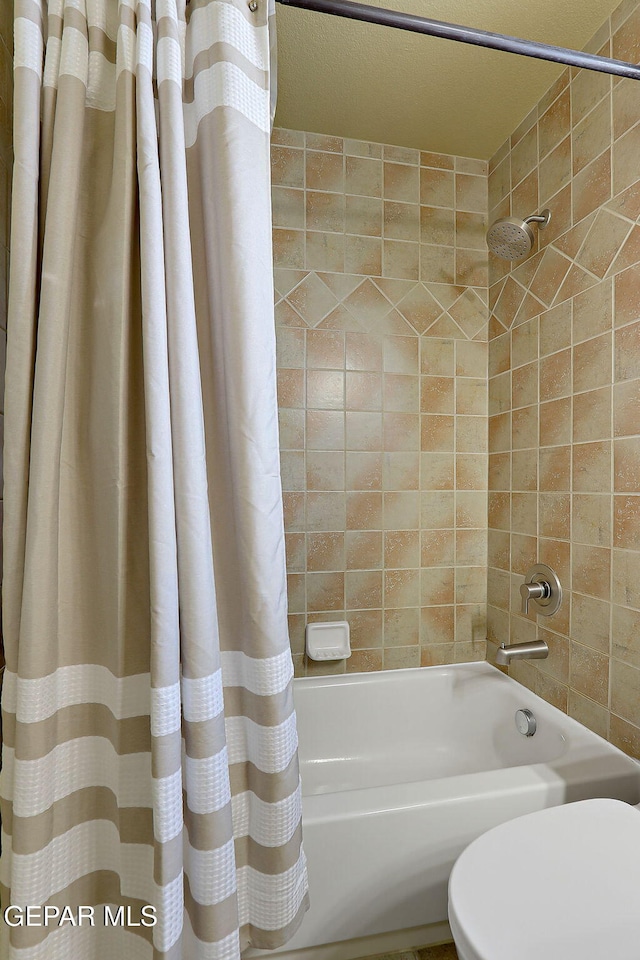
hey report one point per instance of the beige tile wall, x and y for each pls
(381, 292)
(564, 403)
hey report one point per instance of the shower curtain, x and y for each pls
(150, 753)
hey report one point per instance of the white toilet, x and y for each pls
(559, 884)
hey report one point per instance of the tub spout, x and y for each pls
(534, 650)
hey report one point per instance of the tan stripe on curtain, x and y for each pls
(151, 751)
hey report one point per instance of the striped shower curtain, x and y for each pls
(150, 792)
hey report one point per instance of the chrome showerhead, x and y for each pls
(512, 238)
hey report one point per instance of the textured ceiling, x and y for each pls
(369, 82)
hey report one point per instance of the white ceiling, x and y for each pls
(369, 82)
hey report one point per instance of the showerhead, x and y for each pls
(512, 238)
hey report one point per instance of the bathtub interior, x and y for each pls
(405, 726)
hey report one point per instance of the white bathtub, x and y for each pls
(401, 770)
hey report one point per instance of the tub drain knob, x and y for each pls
(525, 722)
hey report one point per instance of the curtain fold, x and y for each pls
(150, 748)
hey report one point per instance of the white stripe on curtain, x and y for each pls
(34, 700)
(224, 23)
(73, 766)
(225, 85)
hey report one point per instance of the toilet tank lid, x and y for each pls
(562, 883)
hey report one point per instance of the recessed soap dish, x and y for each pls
(328, 641)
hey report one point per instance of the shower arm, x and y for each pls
(542, 218)
(482, 38)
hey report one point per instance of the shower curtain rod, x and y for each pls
(481, 38)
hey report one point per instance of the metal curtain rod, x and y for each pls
(481, 38)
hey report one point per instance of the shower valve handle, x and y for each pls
(533, 591)
(541, 588)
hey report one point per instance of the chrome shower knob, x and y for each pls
(533, 591)
(542, 590)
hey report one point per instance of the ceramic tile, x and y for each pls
(592, 186)
(625, 682)
(437, 586)
(555, 123)
(400, 469)
(324, 171)
(366, 628)
(555, 422)
(438, 160)
(401, 259)
(624, 162)
(402, 589)
(325, 551)
(288, 248)
(363, 216)
(401, 182)
(625, 635)
(471, 193)
(363, 511)
(436, 188)
(626, 578)
(400, 658)
(626, 470)
(363, 391)
(287, 167)
(325, 430)
(318, 141)
(627, 352)
(363, 549)
(401, 221)
(626, 280)
(555, 171)
(592, 467)
(401, 432)
(626, 521)
(325, 470)
(364, 661)
(363, 589)
(525, 470)
(626, 408)
(437, 225)
(325, 389)
(325, 591)
(592, 415)
(591, 571)
(437, 510)
(400, 393)
(401, 627)
(363, 177)
(287, 138)
(362, 148)
(555, 375)
(324, 251)
(364, 470)
(591, 135)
